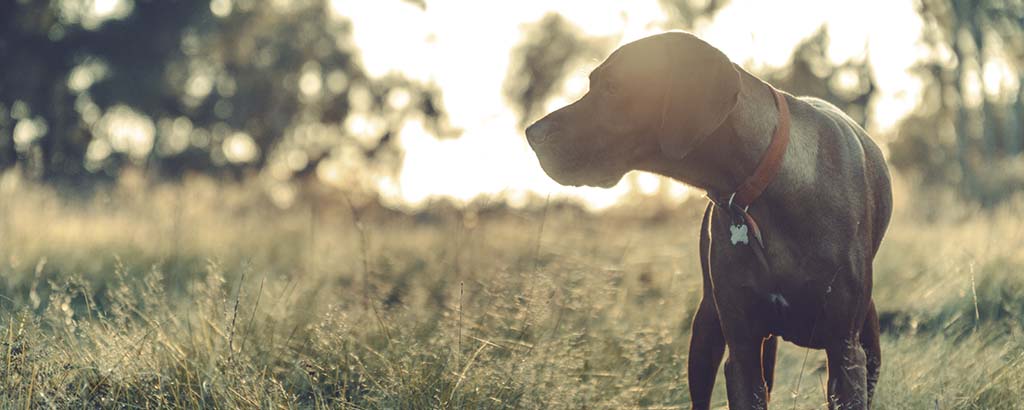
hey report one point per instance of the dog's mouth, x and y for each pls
(598, 182)
(578, 172)
(606, 182)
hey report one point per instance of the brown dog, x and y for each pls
(801, 197)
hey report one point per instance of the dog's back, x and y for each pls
(865, 153)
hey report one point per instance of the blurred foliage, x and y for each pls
(688, 14)
(849, 86)
(550, 50)
(235, 88)
(967, 131)
(226, 87)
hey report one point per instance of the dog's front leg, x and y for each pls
(743, 374)
(707, 345)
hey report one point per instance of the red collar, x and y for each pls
(771, 161)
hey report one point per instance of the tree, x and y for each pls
(223, 87)
(849, 85)
(967, 130)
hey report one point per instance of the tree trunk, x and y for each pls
(967, 177)
(1015, 116)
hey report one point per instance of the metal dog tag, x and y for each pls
(738, 234)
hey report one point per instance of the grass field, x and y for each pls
(208, 296)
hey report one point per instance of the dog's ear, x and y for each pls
(703, 87)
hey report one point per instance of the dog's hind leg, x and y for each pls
(768, 350)
(847, 375)
(869, 336)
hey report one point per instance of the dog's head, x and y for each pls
(665, 92)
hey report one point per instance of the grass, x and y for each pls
(207, 296)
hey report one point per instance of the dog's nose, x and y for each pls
(541, 131)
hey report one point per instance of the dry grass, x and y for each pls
(207, 296)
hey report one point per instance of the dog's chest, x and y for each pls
(783, 292)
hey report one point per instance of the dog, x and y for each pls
(800, 200)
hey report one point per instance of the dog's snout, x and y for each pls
(541, 131)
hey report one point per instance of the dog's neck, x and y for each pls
(730, 154)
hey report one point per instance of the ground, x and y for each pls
(207, 295)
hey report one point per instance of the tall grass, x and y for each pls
(206, 296)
